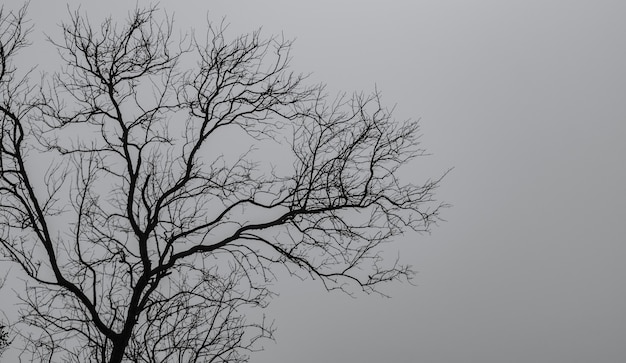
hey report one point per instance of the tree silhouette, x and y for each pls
(153, 186)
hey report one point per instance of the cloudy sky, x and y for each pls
(527, 101)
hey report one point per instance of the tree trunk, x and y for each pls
(119, 346)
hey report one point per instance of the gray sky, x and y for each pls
(527, 101)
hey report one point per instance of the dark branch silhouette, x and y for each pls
(151, 188)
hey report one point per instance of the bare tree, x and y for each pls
(163, 216)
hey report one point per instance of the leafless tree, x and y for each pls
(153, 186)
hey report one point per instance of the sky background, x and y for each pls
(527, 101)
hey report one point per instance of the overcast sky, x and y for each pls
(527, 101)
